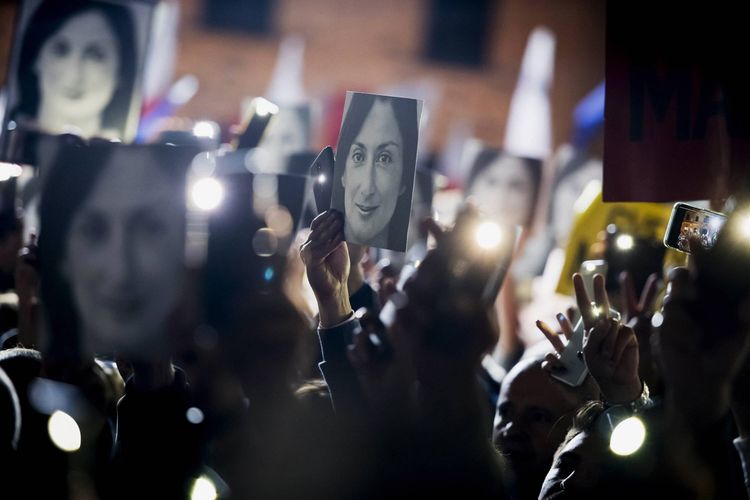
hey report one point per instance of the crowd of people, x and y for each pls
(286, 361)
(241, 401)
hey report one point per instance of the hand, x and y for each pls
(700, 356)
(637, 314)
(566, 330)
(327, 263)
(610, 349)
(449, 327)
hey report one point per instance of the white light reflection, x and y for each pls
(264, 107)
(207, 193)
(203, 489)
(204, 129)
(624, 242)
(64, 431)
(488, 235)
(743, 224)
(8, 170)
(194, 415)
(627, 436)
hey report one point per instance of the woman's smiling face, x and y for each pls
(78, 67)
(372, 178)
(123, 252)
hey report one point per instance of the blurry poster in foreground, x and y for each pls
(677, 110)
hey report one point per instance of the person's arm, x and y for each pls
(340, 377)
(326, 259)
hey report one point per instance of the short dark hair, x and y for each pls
(49, 17)
(405, 111)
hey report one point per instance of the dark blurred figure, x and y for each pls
(534, 412)
(10, 244)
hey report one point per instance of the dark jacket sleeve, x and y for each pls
(338, 373)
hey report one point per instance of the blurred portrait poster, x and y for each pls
(76, 68)
(375, 166)
(112, 243)
(504, 186)
(677, 110)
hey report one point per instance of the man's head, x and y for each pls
(533, 414)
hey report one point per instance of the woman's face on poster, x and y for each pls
(286, 135)
(77, 67)
(372, 177)
(123, 254)
(505, 190)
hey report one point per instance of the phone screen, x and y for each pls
(689, 222)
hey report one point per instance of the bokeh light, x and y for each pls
(203, 489)
(64, 431)
(627, 436)
(488, 235)
(207, 193)
(624, 242)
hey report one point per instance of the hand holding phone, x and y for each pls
(479, 251)
(571, 367)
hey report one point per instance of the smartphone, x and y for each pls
(321, 171)
(260, 114)
(573, 371)
(590, 268)
(688, 222)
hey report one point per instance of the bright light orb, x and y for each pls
(264, 107)
(64, 431)
(204, 129)
(627, 437)
(488, 235)
(625, 242)
(207, 193)
(743, 224)
(203, 489)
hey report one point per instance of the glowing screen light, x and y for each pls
(204, 129)
(264, 107)
(64, 431)
(488, 235)
(207, 193)
(625, 242)
(203, 489)
(627, 436)
(743, 225)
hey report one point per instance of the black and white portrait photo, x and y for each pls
(112, 241)
(503, 186)
(289, 132)
(375, 167)
(76, 67)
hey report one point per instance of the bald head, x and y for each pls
(533, 413)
